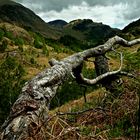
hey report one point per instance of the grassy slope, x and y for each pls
(92, 124)
(28, 49)
(116, 118)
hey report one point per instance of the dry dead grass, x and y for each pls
(92, 125)
(42, 61)
(97, 94)
(30, 72)
(17, 31)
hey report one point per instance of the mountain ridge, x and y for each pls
(92, 33)
(80, 31)
(16, 13)
(133, 28)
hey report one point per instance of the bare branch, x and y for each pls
(126, 74)
(81, 112)
(100, 77)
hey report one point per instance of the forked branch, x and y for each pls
(100, 77)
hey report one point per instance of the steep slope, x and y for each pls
(84, 33)
(133, 28)
(93, 32)
(22, 55)
(21, 60)
(58, 23)
(15, 13)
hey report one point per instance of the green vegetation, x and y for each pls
(1, 34)
(122, 127)
(19, 41)
(3, 45)
(117, 111)
(39, 41)
(10, 35)
(71, 42)
(11, 82)
(133, 61)
(86, 130)
(45, 51)
(71, 90)
(57, 46)
(32, 60)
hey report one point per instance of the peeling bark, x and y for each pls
(28, 115)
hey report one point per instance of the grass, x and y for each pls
(92, 97)
(118, 117)
(115, 120)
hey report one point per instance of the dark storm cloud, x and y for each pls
(58, 5)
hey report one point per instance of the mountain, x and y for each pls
(58, 23)
(76, 33)
(133, 28)
(92, 30)
(15, 13)
(89, 32)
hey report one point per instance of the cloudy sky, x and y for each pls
(116, 13)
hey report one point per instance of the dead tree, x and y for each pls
(28, 115)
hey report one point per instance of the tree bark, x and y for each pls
(28, 116)
(101, 67)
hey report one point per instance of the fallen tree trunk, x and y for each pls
(28, 115)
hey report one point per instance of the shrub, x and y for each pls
(1, 34)
(3, 46)
(45, 50)
(11, 82)
(32, 60)
(19, 41)
(39, 41)
(9, 35)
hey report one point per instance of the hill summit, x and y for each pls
(58, 23)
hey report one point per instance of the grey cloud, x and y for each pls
(45, 6)
(133, 11)
(58, 5)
